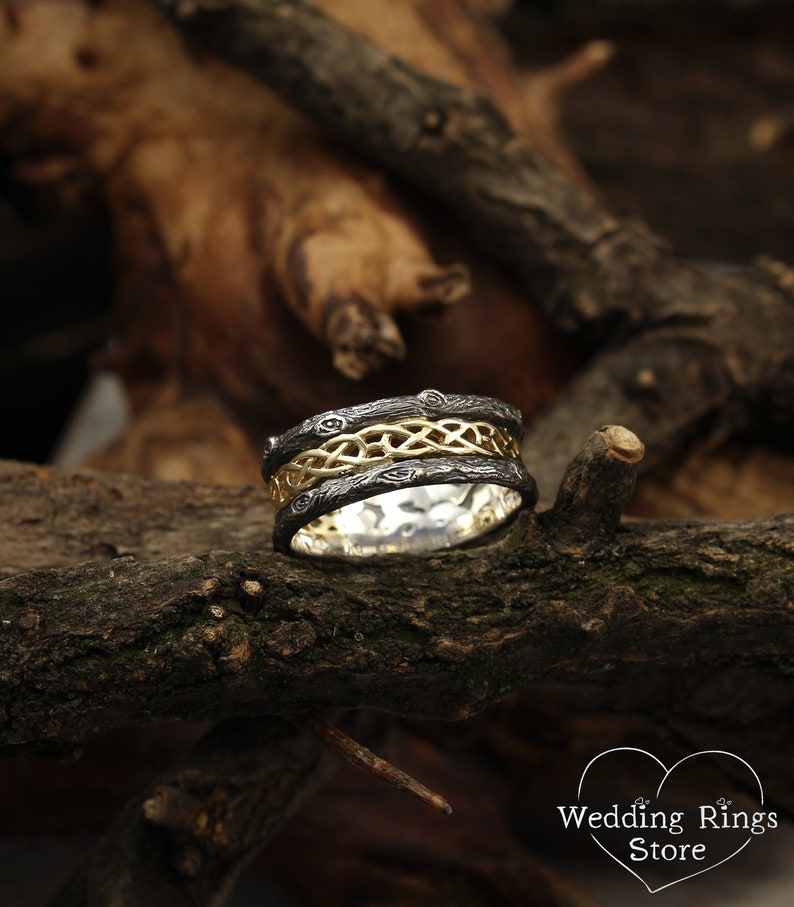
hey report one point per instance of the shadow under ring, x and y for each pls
(412, 506)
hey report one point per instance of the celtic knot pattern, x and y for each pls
(385, 443)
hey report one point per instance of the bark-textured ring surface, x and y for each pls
(406, 474)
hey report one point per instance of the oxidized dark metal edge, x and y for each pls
(337, 492)
(430, 404)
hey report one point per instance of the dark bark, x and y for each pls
(183, 842)
(230, 634)
(728, 370)
(617, 614)
(449, 140)
(699, 350)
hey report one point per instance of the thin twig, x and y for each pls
(360, 757)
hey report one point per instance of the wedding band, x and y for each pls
(401, 475)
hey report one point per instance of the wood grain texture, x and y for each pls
(222, 634)
(685, 342)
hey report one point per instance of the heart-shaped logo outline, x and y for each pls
(667, 773)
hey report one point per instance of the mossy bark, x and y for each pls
(223, 634)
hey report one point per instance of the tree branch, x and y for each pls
(702, 349)
(363, 758)
(184, 840)
(579, 601)
(232, 634)
(449, 140)
(50, 518)
(594, 491)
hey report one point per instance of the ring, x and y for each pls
(401, 475)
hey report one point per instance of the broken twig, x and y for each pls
(360, 757)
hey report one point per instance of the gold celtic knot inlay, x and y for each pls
(384, 443)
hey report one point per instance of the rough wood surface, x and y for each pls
(684, 341)
(183, 841)
(457, 145)
(594, 491)
(689, 621)
(449, 139)
(50, 518)
(245, 241)
(222, 634)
